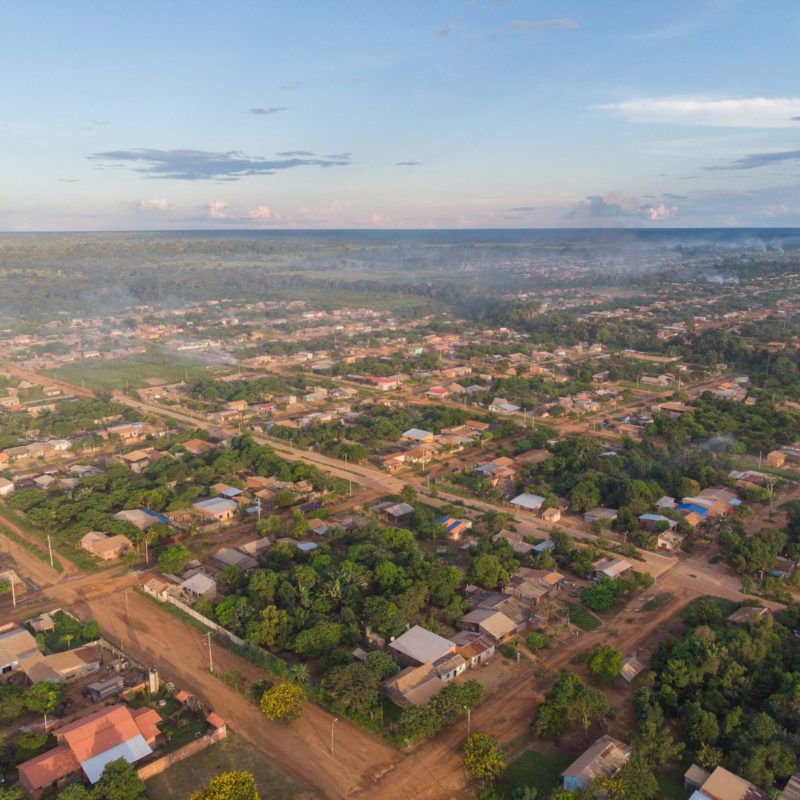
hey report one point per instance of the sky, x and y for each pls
(413, 114)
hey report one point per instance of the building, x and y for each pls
(656, 522)
(746, 615)
(137, 461)
(720, 785)
(602, 760)
(17, 647)
(220, 509)
(200, 585)
(631, 669)
(490, 622)
(418, 435)
(611, 569)
(86, 746)
(102, 690)
(228, 557)
(551, 515)
(6, 487)
(528, 502)
(104, 547)
(141, 518)
(599, 514)
(455, 527)
(413, 686)
(475, 648)
(670, 541)
(420, 646)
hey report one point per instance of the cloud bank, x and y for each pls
(743, 112)
(196, 165)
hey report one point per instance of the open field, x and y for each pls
(233, 753)
(156, 366)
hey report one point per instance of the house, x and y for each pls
(501, 406)
(551, 515)
(418, 435)
(137, 461)
(656, 522)
(382, 384)
(6, 487)
(746, 615)
(200, 585)
(548, 545)
(792, 789)
(670, 541)
(449, 667)
(475, 648)
(455, 527)
(518, 544)
(106, 548)
(490, 622)
(73, 664)
(534, 584)
(102, 690)
(720, 785)
(611, 569)
(413, 686)
(228, 557)
(420, 646)
(528, 502)
(17, 647)
(87, 745)
(223, 490)
(198, 447)
(141, 518)
(217, 508)
(631, 669)
(776, 458)
(603, 759)
(599, 514)
(395, 512)
(517, 609)
(437, 393)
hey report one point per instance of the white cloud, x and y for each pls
(262, 214)
(154, 204)
(742, 112)
(216, 209)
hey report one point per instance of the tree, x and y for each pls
(568, 703)
(605, 664)
(322, 638)
(119, 781)
(634, 781)
(408, 494)
(230, 786)
(283, 702)
(483, 757)
(487, 571)
(271, 629)
(12, 793)
(584, 495)
(536, 640)
(173, 560)
(43, 698)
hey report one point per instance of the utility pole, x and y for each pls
(13, 593)
(50, 548)
(469, 720)
(146, 553)
(335, 720)
(210, 658)
(127, 608)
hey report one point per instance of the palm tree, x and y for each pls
(299, 673)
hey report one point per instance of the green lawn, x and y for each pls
(671, 784)
(134, 372)
(658, 602)
(584, 619)
(232, 753)
(541, 771)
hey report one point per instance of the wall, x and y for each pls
(207, 622)
(165, 762)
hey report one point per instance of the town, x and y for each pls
(544, 548)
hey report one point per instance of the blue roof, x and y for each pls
(701, 510)
(232, 492)
(252, 509)
(156, 515)
(654, 518)
(547, 544)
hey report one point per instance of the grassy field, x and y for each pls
(233, 753)
(157, 365)
(541, 771)
(584, 619)
(658, 602)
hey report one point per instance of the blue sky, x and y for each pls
(437, 113)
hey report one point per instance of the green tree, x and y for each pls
(43, 698)
(605, 664)
(74, 791)
(483, 757)
(584, 496)
(487, 571)
(173, 560)
(271, 628)
(119, 781)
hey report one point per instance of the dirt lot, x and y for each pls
(233, 753)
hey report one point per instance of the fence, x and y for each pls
(205, 620)
(197, 746)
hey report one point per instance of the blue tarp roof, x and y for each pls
(159, 517)
(232, 492)
(701, 510)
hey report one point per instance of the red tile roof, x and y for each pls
(48, 767)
